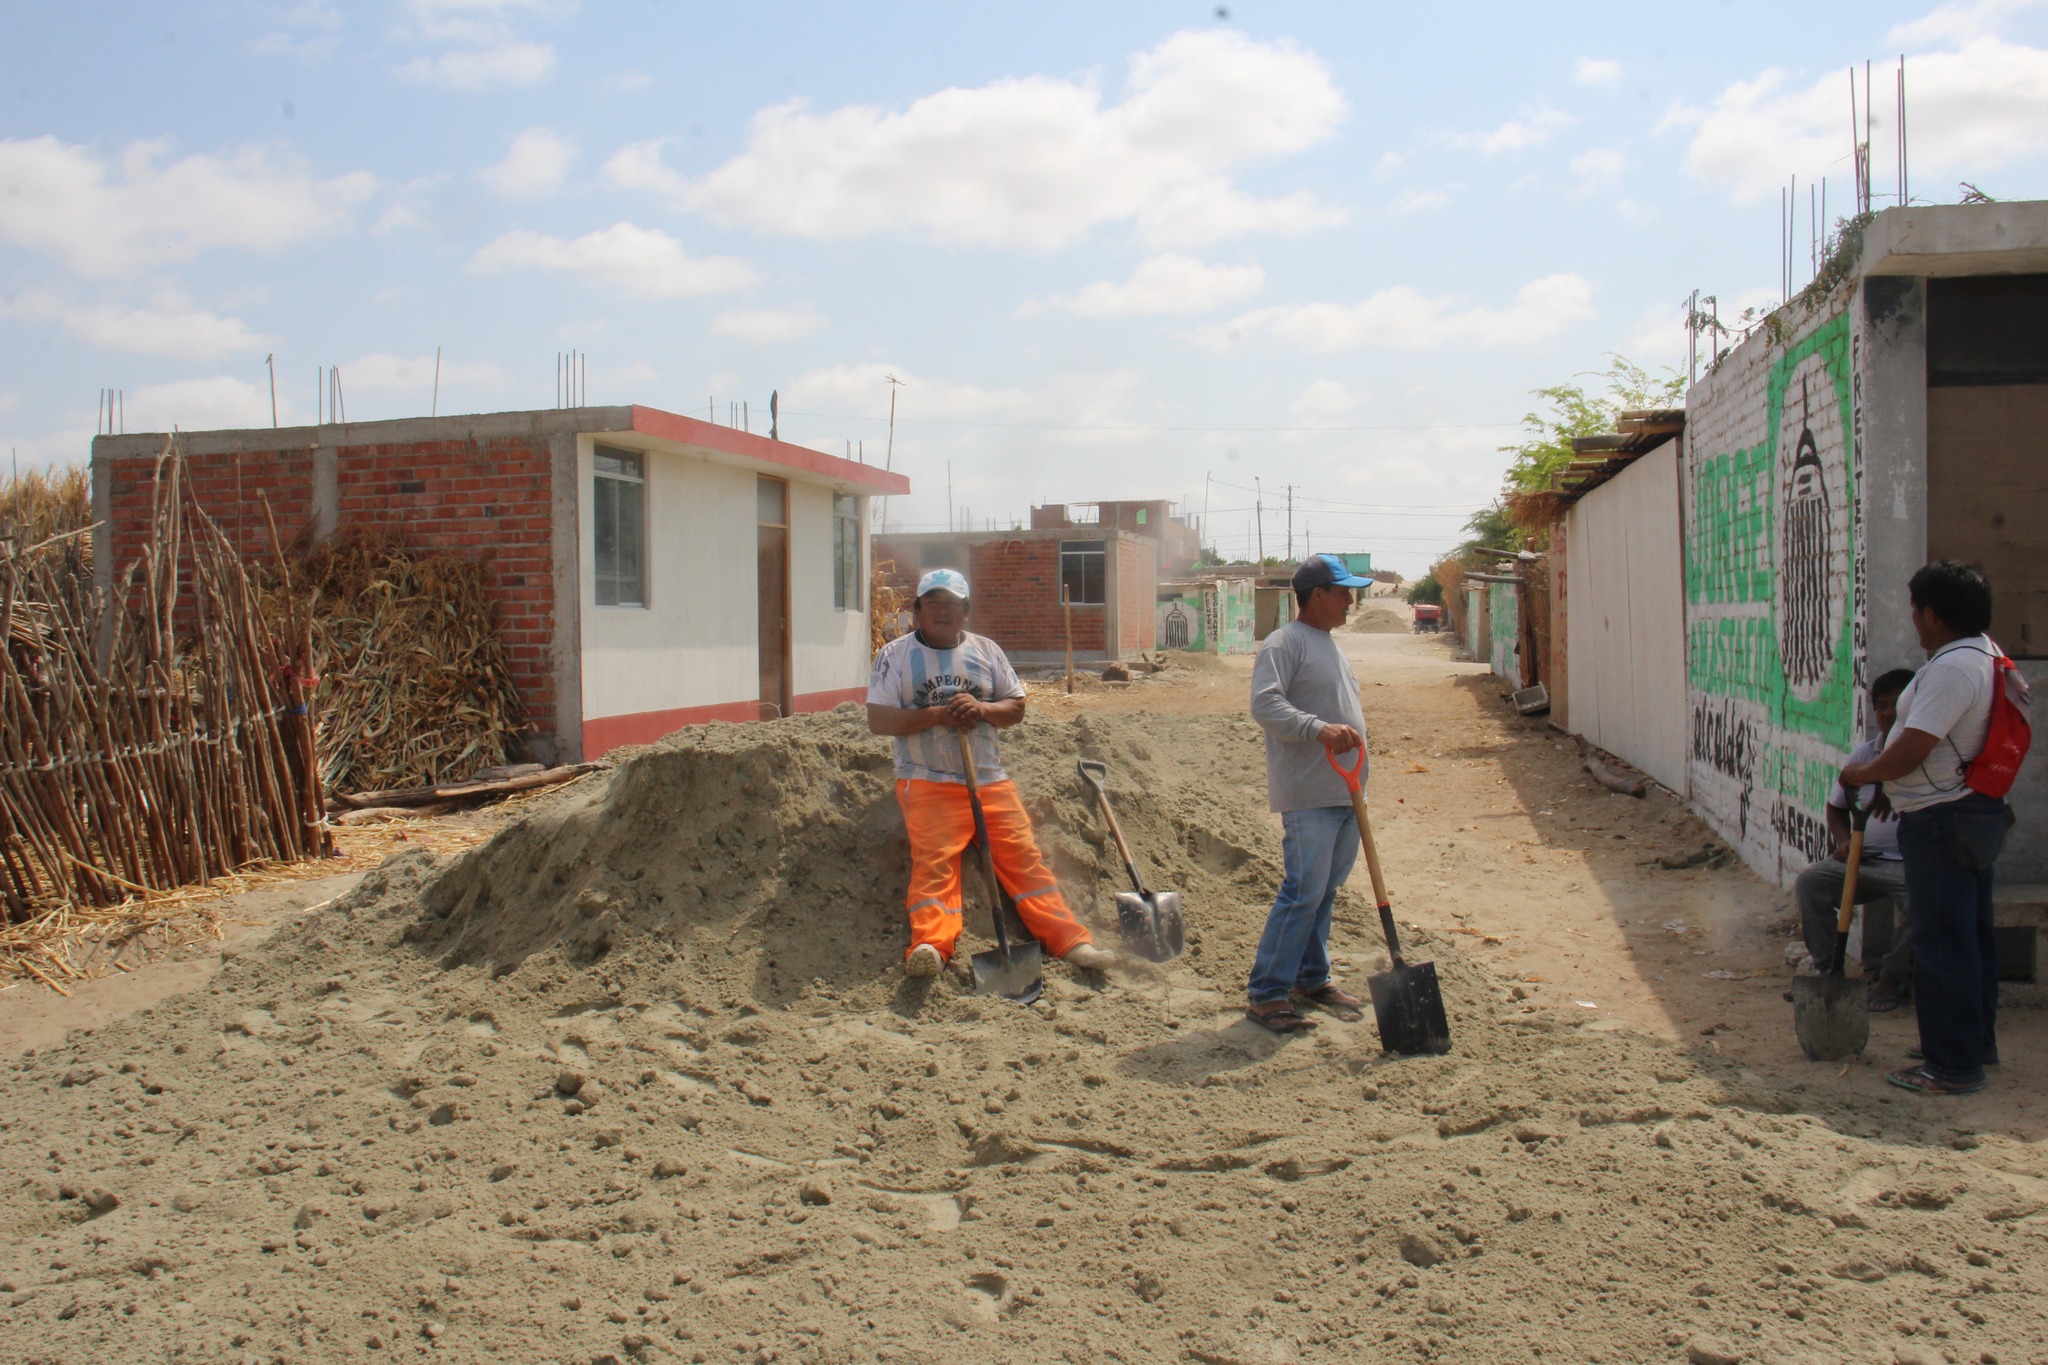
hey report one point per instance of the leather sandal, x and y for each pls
(1281, 1018)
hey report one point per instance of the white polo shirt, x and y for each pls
(1949, 698)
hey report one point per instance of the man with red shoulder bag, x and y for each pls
(1961, 733)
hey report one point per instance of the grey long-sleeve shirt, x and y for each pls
(1301, 682)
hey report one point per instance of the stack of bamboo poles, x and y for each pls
(415, 687)
(152, 739)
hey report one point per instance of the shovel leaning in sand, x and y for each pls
(1830, 1013)
(1407, 1001)
(1150, 921)
(1013, 971)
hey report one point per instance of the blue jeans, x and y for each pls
(1294, 952)
(1949, 850)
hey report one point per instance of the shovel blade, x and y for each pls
(1017, 975)
(1409, 1005)
(1151, 924)
(1831, 1016)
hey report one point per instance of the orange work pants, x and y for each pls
(941, 828)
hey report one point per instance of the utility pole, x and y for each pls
(949, 495)
(1290, 523)
(889, 454)
(1259, 514)
(435, 410)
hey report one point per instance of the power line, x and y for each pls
(1078, 426)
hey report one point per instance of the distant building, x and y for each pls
(1180, 543)
(1109, 576)
(649, 570)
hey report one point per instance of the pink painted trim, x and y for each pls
(606, 733)
(825, 701)
(670, 426)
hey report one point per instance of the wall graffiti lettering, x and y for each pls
(1773, 563)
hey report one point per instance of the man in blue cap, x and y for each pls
(1305, 697)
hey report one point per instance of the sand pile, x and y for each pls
(637, 1081)
(1379, 616)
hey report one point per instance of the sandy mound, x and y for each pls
(1378, 616)
(636, 1081)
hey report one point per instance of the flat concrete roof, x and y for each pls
(1939, 240)
(634, 426)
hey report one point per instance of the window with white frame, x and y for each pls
(846, 585)
(1084, 571)
(618, 518)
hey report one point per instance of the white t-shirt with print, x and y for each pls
(1950, 698)
(909, 673)
(1880, 837)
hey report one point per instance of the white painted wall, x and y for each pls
(830, 647)
(1626, 620)
(693, 643)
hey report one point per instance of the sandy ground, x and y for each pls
(638, 1080)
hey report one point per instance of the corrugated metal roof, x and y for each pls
(1636, 434)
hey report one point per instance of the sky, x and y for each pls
(1226, 255)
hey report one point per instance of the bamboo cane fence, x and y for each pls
(156, 737)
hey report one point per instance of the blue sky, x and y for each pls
(1131, 250)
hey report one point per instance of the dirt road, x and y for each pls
(638, 1081)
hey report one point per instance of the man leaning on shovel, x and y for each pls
(1305, 697)
(925, 688)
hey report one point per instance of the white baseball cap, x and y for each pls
(944, 580)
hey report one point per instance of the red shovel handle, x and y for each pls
(1351, 774)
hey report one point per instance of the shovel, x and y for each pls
(1830, 1013)
(1406, 1000)
(1150, 921)
(1015, 972)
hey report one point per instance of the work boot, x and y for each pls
(1088, 957)
(924, 960)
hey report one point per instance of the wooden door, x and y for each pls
(772, 556)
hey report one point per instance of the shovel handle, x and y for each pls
(1093, 774)
(1372, 853)
(988, 856)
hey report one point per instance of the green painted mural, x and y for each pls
(1771, 534)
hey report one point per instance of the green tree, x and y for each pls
(1426, 590)
(1546, 445)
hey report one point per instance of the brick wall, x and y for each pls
(1016, 585)
(485, 500)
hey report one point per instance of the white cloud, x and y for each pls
(534, 166)
(172, 327)
(204, 405)
(629, 80)
(1388, 163)
(1169, 283)
(1325, 401)
(766, 326)
(1597, 71)
(1518, 134)
(1955, 24)
(484, 68)
(1033, 162)
(639, 374)
(1598, 168)
(642, 261)
(107, 219)
(1972, 111)
(1407, 319)
(1415, 201)
(382, 372)
(1095, 408)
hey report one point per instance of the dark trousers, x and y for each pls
(1949, 850)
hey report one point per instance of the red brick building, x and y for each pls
(1180, 544)
(649, 570)
(1016, 576)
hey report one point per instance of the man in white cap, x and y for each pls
(926, 687)
(1305, 697)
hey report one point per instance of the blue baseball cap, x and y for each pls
(944, 580)
(1326, 571)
